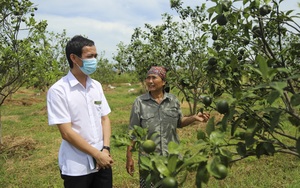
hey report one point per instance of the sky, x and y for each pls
(109, 22)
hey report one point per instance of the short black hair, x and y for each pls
(75, 45)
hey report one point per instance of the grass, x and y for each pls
(28, 156)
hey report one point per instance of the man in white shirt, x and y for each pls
(77, 105)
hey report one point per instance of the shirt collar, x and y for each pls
(73, 81)
(147, 96)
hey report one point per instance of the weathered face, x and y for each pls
(154, 82)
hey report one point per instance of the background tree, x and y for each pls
(251, 68)
(105, 72)
(50, 60)
(180, 46)
(123, 59)
(27, 55)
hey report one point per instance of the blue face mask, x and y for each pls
(89, 66)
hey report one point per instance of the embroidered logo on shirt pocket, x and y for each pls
(97, 102)
(98, 107)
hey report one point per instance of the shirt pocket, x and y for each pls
(170, 117)
(148, 120)
(98, 107)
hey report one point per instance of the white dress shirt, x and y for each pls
(68, 101)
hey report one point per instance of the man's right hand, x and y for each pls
(104, 160)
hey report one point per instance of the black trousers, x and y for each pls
(101, 179)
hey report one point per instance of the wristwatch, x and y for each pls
(107, 148)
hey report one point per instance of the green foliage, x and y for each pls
(107, 74)
(50, 61)
(251, 68)
(104, 72)
(26, 53)
(31, 145)
(177, 45)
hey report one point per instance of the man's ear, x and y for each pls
(72, 57)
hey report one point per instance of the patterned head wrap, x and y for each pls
(158, 70)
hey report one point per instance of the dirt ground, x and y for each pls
(17, 146)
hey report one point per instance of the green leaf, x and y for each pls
(227, 118)
(241, 149)
(210, 126)
(201, 135)
(269, 147)
(267, 1)
(218, 9)
(161, 167)
(211, 10)
(283, 70)
(194, 160)
(172, 163)
(264, 148)
(257, 3)
(273, 96)
(275, 119)
(272, 73)
(251, 126)
(225, 153)
(202, 175)
(139, 132)
(121, 140)
(294, 121)
(225, 156)
(246, 13)
(295, 99)
(153, 136)
(173, 148)
(260, 150)
(263, 66)
(249, 140)
(235, 125)
(253, 69)
(145, 163)
(279, 86)
(217, 138)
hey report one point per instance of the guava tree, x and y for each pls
(26, 51)
(122, 58)
(257, 74)
(253, 78)
(50, 60)
(105, 73)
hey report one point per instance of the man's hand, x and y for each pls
(104, 160)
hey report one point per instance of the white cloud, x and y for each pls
(106, 35)
(105, 22)
(108, 22)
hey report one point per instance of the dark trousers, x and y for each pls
(100, 179)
